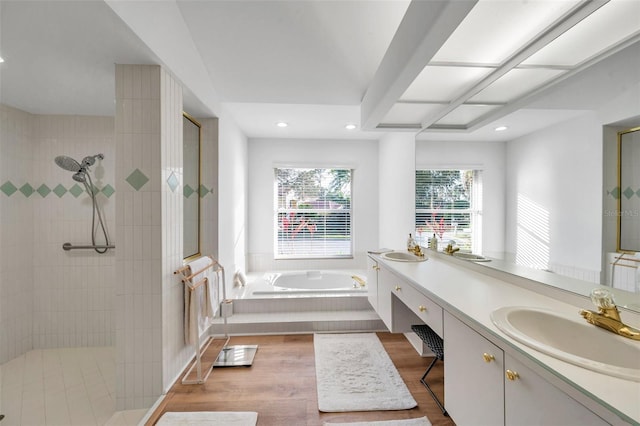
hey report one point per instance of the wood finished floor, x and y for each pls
(281, 384)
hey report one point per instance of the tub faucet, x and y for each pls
(608, 316)
(358, 281)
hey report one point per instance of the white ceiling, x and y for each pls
(451, 70)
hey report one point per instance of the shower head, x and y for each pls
(80, 176)
(68, 163)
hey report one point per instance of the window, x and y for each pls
(313, 213)
(448, 204)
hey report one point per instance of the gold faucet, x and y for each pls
(608, 316)
(450, 249)
(358, 280)
(417, 250)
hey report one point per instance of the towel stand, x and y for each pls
(200, 346)
(229, 356)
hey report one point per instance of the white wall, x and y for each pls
(397, 189)
(232, 197)
(554, 198)
(486, 156)
(265, 154)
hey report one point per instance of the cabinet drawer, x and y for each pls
(426, 309)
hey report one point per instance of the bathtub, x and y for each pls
(311, 283)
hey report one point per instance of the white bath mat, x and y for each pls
(420, 421)
(201, 418)
(355, 373)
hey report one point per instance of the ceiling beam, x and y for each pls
(581, 11)
(425, 27)
(160, 25)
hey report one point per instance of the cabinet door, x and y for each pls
(372, 283)
(473, 376)
(385, 283)
(531, 400)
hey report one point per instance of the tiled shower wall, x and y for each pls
(73, 290)
(149, 298)
(209, 187)
(16, 235)
(63, 299)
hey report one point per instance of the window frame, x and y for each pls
(328, 254)
(474, 210)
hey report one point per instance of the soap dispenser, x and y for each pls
(411, 243)
(433, 243)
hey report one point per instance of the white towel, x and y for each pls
(197, 301)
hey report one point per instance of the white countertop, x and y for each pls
(472, 296)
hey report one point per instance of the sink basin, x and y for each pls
(403, 256)
(571, 339)
(470, 256)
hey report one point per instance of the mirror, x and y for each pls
(629, 185)
(191, 189)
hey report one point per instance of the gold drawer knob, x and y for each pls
(512, 375)
(488, 357)
(398, 288)
(375, 267)
(422, 308)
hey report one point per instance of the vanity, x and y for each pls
(491, 378)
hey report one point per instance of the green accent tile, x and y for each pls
(137, 179)
(75, 190)
(188, 191)
(8, 188)
(203, 191)
(27, 190)
(108, 190)
(59, 190)
(628, 192)
(615, 192)
(173, 182)
(43, 190)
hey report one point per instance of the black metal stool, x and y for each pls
(435, 343)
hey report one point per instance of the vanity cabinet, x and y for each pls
(372, 282)
(531, 400)
(473, 372)
(386, 281)
(400, 305)
(425, 309)
(483, 385)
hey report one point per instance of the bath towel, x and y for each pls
(201, 303)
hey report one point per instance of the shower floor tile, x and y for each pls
(65, 386)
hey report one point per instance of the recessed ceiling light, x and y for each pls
(1, 60)
(500, 128)
(281, 124)
(350, 126)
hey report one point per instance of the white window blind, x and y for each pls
(448, 204)
(313, 213)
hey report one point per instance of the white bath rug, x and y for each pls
(420, 421)
(201, 418)
(355, 373)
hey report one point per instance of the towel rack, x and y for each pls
(200, 348)
(629, 259)
(229, 356)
